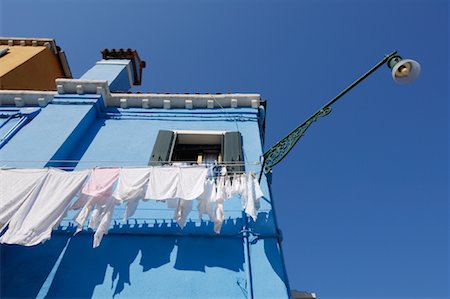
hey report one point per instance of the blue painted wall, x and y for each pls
(115, 72)
(149, 256)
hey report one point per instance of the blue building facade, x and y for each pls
(94, 121)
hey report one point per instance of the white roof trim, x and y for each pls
(181, 101)
(199, 132)
(131, 100)
(25, 97)
(26, 41)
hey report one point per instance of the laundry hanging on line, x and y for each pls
(131, 188)
(31, 218)
(34, 220)
(16, 186)
(98, 192)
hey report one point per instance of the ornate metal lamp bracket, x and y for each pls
(277, 152)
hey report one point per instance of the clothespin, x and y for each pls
(223, 171)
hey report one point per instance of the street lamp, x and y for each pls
(403, 71)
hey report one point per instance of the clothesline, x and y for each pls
(33, 201)
(106, 167)
(131, 161)
(141, 167)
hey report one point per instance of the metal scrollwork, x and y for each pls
(277, 152)
(324, 112)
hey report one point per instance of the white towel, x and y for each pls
(182, 211)
(218, 217)
(228, 187)
(243, 189)
(163, 183)
(258, 193)
(219, 200)
(221, 193)
(192, 182)
(104, 221)
(17, 186)
(33, 222)
(131, 188)
(168, 182)
(206, 200)
(251, 196)
(236, 185)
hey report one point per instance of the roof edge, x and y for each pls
(39, 42)
(21, 98)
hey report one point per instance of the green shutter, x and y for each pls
(232, 151)
(162, 147)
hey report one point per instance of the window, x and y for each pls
(198, 147)
(12, 120)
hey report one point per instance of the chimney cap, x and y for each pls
(129, 54)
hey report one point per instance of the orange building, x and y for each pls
(31, 63)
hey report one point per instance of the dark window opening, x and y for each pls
(196, 153)
(199, 148)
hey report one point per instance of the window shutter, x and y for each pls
(162, 147)
(232, 151)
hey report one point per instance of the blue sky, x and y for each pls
(363, 198)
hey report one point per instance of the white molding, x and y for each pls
(166, 104)
(113, 61)
(199, 132)
(28, 97)
(19, 102)
(133, 100)
(42, 102)
(80, 89)
(26, 41)
(123, 103)
(145, 103)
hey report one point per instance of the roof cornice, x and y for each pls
(129, 100)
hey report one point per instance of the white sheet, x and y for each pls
(163, 183)
(207, 199)
(182, 211)
(191, 182)
(251, 195)
(131, 188)
(168, 182)
(33, 222)
(17, 186)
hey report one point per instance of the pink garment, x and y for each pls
(100, 185)
(101, 182)
(97, 193)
